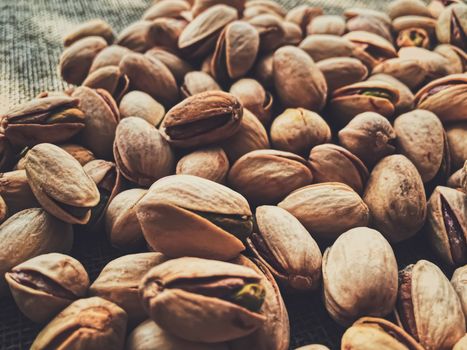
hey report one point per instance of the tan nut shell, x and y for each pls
(360, 276)
(461, 344)
(209, 163)
(16, 191)
(457, 140)
(142, 105)
(94, 27)
(323, 46)
(459, 282)
(342, 71)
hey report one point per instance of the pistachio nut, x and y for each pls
(399, 8)
(408, 71)
(298, 81)
(342, 71)
(94, 27)
(263, 71)
(418, 307)
(396, 198)
(286, 248)
(270, 29)
(142, 105)
(255, 98)
(102, 117)
(46, 284)
(365, 96)
(172, 9)
(353, 12)
(109, 78)
(359, 276)
(293, 34)
(371, 48)
(200, 35)
(92, 324)
(413, 37)
(235, 52)
(333, 163)
(275, 331)
(264, 6)
(413, 21)
(298, 130)
(149, 336)
(447, 225)
(422, 139)
(172, 292)
(327, 209)
(119, 280)
(209, 163)
(136, 36)
(121, 223)
(202, 119)
(370, 24)
(302, 15)
(464, 177)
(76, 59)
(459, 282)
(446, 97)
(30, 233)
(267, 176)
(201, 218)
(456, 57)
(326, 24)
(165, 32)
(150, 75)
(80, 153)
(434, 64)
(370, 332)
(200, 6)
(461, 344)
(176, 65)
(406, 97)
(451, 27)
(251, 136)
(141, 153)
(313, 347)
(60, 184)
(16, 192)
(196, 82)
(454, 180)
(109, 56)
(50, 119)
(323, 46)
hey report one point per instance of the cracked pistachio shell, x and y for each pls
(149, 336)
(250, 136)
(422, 139)
(202, 119)
(150, 75)
(80, 153)
(169, 293)
(406, 97)
(119, 280)
(326, 24)
(286, 248)
(408, 71)
(142, 105)
(369, 136)
(446, 97)
(459, 282)
(30, 233)
(200, 6)
(365, 96)
(399, 8)
(447, 225)
(297, 130)
(60, 184)
(91, 324)
(371, 332)
(313, 347)
(208, 163)
(302, 15)
(342, 71)
(109, 56)
(236, 51)
(271, 31)
(200, 35)
(102, 117)
(323, 46)
(255, 98)
(275, 331)
(16, 191)
(451, 27)
(76, 59)
(121, 223)
(461, 344)
(196, 82)
(457, 139)
(456, 57)
(109, 78)
(176, 64)
(327, 209)
(141, 153)
(298, 81)
(188, 215)
(420, 309)
(135, 36)
(370, 24)
(333, 163)
(267, 176)
(396, 198)
(94, 27)
(46, 284)
(359, 276)
(173, 9)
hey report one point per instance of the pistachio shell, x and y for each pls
(452, 24)
(196, 82)
(109, 56)
(406, 97)
(109, 78)
(323, 46)
(326, 24)
(16, 192)
(459, 282)
(174, 9)
(313, 347)
(271, 31)
(135, 36)
(456, 57)
(370, 24)
(342, 71)
(165, 32)
(200, 6)
(461, 344)
(142, 105)
(408, 71)
(400, 8)
(94, 27)
(80, 153)
(302, 15)
(359, 276)
(176, 64)
(209, 163)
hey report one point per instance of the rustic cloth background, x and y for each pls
(30, 44)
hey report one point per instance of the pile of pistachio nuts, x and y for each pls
(235, 152)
